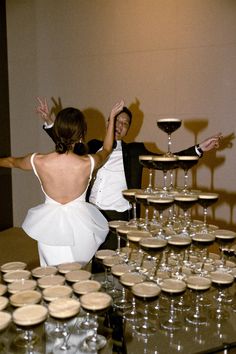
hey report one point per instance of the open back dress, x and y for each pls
(65, 232)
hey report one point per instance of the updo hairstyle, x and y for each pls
(70, 128)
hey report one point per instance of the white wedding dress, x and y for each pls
(65, 232)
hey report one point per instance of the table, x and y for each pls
(121, 336)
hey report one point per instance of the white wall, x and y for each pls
(164, 57)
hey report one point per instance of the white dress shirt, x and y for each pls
(106, 192)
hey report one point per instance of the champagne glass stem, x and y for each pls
(64, 345)
(205, 219)
(118, 243)
(145, 315)
(169, 144)
(146, 217)
(160, 233)
(197, 308)
(165, 181)
(186, 221)
(29, 339)
(172, 311)
(150, 174)
(171, 187)
(134, 211)
(95, 329)
(185, 181)
(154, 217)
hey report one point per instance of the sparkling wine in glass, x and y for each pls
(169, 125)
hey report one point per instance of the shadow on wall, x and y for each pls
(96, 124)
(212, 161)
(137, 120)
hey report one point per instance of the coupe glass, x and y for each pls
(203, 241)
(96, 303)
(128, 280)
(165, 164)
(113, 225)
(100, 255)
(221, 281)
(5, 320)
(64, 310)
(186, 202)
(146, 161)
(186, 163)
(178, 245)
(142, 198)
(64, 268)
(172, 288)
(224, 238)
(161, 204)
(122, 303)
(108, 262)
(154, 247)
(129, 194)
(198, 284)
(25, 297)
(84, 287)
(134, 238)
(27, 318)
(40, 272)
(12, 266)
(169, 125)
(147, 292)
(50, 294)
(206, 200)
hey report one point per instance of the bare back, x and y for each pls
(64, 177)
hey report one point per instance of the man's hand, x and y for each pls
(211, 143)
(43, 111)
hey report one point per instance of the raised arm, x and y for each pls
(211, 143)
(43, 111)
(22, 163)
(47, 118)
(102, 155)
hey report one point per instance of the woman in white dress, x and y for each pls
(66, 227)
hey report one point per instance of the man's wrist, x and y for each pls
(48, 125)
(198, 150)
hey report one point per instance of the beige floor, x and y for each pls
(15, 245)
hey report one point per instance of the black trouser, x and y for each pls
(111, 239)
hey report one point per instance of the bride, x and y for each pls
(66, 227)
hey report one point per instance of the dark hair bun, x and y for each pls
(61, 148)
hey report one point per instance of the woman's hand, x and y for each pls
(116, 109)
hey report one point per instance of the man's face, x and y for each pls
(122, 126)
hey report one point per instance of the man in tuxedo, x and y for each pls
(121, 171)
